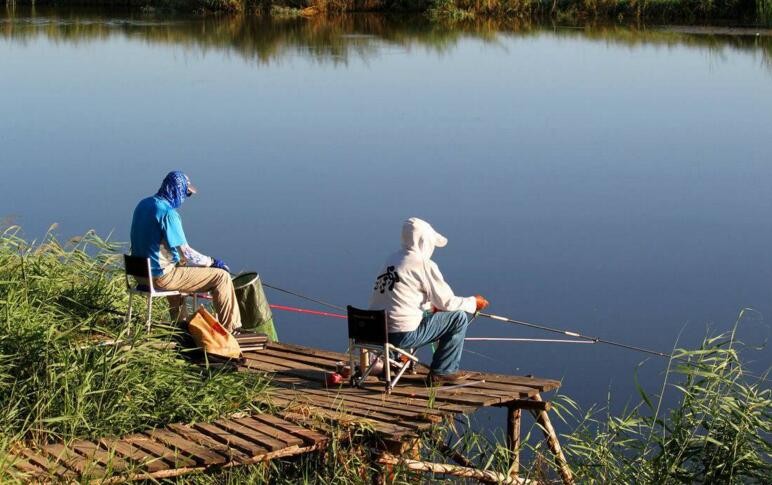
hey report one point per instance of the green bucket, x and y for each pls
(255, 312)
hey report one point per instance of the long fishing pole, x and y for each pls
(542, 340)
(574, 334)
(507, 320)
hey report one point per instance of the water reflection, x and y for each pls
(336, 40)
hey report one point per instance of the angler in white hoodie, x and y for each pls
(420, 306)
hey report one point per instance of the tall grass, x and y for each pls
(718, 431)
(56, 383)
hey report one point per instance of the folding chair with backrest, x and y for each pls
(368, 330)
(138, 268)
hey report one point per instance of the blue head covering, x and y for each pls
(174, 188)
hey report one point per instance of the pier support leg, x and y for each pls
(552, 441)
(513, 438)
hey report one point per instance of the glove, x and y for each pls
(220, 264)
(482, 303)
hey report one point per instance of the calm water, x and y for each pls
(612, 181)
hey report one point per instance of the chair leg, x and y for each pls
(387, 366)
(402, 369)
(351, 349)
(128, 312)
(149, 311)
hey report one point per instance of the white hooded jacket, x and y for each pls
(411, 282)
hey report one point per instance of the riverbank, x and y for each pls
(740, 11)
(56, 297)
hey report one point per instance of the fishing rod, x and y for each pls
(568, 333)
(594, 340)
(544, 340)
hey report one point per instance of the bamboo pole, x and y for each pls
(454, 470)
(513, 438)
(543, 419)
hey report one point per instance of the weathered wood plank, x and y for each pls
(73, 461)
(229, 439)
(24, 466)
(271, 431)
(174, 458)
(137, 456)
(302, 349)
(195, 436)
(52, 466)
(452, 395)
(343, 419)
(248, 434)
(199, 454)
(310, 436)
(525, 381)
(92, 452)
(391, 408)
(355, 409)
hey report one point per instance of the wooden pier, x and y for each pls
(303, 407)
(298, 382)
(175, 450)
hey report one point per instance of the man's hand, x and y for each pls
(482, 303)
(220, 264)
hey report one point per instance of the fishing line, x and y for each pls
(574, 334)
(323, 303)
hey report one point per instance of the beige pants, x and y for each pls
(194, 280)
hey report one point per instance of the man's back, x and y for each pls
(156, 230)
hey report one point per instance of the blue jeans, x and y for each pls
(447, 327)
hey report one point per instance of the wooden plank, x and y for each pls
(51, 465)
(356, 409)
(301, 349)
(453, 395)
(480, 385)
(540, 384)
(24, 466)
(248, 434)
(342, 402)
(419, 405)
(270, 431)
(73, 461)
(387, 407)
(525, 381)
(92, 452)
(201, 455)
(292, 357)
(231, 453)
(282, 363)
(372, 389)
(138, 456)
(343, 419)
(310, 436)
(229, 439)
(177, 460)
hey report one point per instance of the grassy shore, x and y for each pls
(652, 10)
(57, 299)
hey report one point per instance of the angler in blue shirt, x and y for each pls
(157, 234)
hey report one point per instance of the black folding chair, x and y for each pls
(368, 330)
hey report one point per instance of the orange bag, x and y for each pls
(211, 336)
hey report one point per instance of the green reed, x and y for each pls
(56, 302)
(718, 432)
